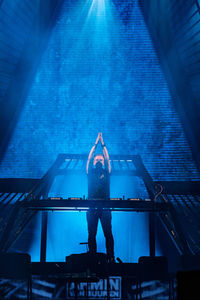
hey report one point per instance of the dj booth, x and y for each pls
(21, 199)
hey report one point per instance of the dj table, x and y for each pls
(79, 204)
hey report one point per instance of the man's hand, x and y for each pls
(105, 153)
(101, 138)
(98, 137)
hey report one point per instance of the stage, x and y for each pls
(99, 149)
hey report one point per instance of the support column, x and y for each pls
(152, 247)
(43, 237)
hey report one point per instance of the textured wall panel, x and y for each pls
(16, 21)
(99, 73)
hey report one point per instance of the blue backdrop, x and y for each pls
(98, 73)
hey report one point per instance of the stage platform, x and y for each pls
(67, 270)
(101, 280)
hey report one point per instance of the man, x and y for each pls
(98, 170)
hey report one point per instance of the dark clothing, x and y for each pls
(99, 189)
(98, 184)
(93, 217)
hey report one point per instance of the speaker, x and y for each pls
(80, 262)
(188, 283)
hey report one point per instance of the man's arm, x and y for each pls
(91, 154)
(106, 155)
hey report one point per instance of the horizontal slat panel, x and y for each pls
(185, 24)
(17, 185)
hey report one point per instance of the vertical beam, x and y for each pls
(44, 237)
(143, 173)
(48, 181)
(152, 246)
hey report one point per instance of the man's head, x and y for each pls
(98, 161)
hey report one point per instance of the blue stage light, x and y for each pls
(98, 75)
(97, 8)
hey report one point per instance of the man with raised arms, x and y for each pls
(98, 171)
